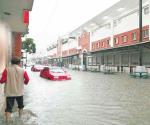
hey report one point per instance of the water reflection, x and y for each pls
(94, 100)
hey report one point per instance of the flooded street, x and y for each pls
(98, 41)
(87, 99)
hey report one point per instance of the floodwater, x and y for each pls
(87, 99)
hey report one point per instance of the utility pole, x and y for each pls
(140, 32)
(26, 59)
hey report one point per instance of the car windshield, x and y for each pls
(56, 70)
(38, 66)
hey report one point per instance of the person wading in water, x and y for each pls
(15, 77)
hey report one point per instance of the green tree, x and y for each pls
(29, 45)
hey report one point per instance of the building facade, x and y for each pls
(111, 38)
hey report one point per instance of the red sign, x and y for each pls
(26, 16)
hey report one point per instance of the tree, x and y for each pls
(29, 45)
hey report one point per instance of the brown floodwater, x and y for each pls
(87, 99)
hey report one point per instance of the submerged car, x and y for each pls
(55, 73)
(36, 68)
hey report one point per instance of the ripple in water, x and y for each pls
(28, 118)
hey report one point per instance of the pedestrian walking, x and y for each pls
(14, 78)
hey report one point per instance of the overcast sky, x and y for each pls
(50, 19)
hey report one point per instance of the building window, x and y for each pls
(89, 61)
(145, 33)
(108, 42)
(97, 45)
(124, 39)
(98, 61)
(119, 20)
(134, 36)
(115, 23)
(93, 46)
(102, 44)
(146, 10)
(116, 41)
(94, 60)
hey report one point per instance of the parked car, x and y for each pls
(36, 68)
(55, 73)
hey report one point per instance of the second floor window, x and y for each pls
(108, 42)
(146, 10)
(145, 33)
(97, 45)
(103, 44)
(124, 39)
(134, 37)
(116, 41)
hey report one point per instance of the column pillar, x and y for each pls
(17, 45)
(112, 33)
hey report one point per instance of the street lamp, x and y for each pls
(140, 32)
(26, 58)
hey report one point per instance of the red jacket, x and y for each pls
(4, 77)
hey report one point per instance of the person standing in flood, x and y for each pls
(15, 77)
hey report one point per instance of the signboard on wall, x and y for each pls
(26, 16)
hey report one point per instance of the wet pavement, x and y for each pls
(87, 99)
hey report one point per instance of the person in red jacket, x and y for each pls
(14, 78)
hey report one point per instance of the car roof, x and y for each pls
(38, 66)
(55, 67)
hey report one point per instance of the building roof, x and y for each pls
(121, 7)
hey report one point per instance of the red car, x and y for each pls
(36, 68)
(55, 73)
